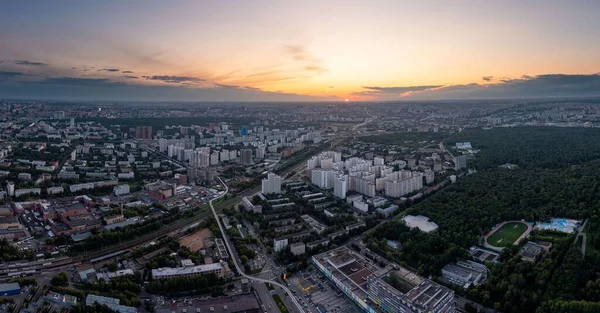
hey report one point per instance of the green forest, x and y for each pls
(557, 175)
(531, 147)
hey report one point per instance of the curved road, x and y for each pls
(237, 266)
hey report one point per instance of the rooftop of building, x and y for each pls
(353, 270)
(421, 222)
(168, 271)
(237, 303)
(531, 250)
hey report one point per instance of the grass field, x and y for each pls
(507, 234)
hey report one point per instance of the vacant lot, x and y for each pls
(507, 234)
(195, 241)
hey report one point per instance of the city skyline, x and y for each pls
(309, 51)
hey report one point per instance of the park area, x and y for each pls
(506, 234)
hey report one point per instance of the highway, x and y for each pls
(236, 263)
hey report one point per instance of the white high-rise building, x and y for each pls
(323, 178)
(460, 162)
(214, 158)
(401, 183)
(224, 155)
(10, 188)
(429, 176)
(232, 155)
(260, 151)
(340, 186)
(378, 161)
(271, 184)
(162, 145)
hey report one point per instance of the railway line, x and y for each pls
(25, 269)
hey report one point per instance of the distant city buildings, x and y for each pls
(143, 132)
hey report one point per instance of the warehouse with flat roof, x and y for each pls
(390, 289)
(10, 289)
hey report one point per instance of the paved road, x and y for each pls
(583, 235)
(237, 265)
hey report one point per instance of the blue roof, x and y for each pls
(9, 287)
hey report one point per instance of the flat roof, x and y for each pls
(421, 222)
(353, 269)
(168, 271)
(237, 303)
(9, 287)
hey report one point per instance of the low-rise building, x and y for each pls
(298, 248)
(421, 222)
(465, 273)
(220, 269)
(531, 251)
(111, 303)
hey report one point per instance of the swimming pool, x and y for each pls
(559, 224)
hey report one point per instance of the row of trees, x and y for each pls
(200, 284)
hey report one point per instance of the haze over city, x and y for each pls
(299, 50)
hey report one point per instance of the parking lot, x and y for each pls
(314, 291)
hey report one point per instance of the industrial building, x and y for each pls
(392, 289)
(10, 289)
(219, 269)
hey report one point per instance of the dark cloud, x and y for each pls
(74, 88)
(29, 63)
(73, 68)
(176, 79)
(1, 62)
(391, 92)
(488, 78)
(127, 72)
(540, 86)
(10, 74)
(109, 70)
(130, 76)
(86, 69)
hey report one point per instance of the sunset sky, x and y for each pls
(298, 50)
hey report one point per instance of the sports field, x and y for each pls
(507, 234)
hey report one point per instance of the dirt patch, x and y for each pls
(196, 240)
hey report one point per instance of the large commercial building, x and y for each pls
(10, 289)
(271, 184)
(392, 289)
